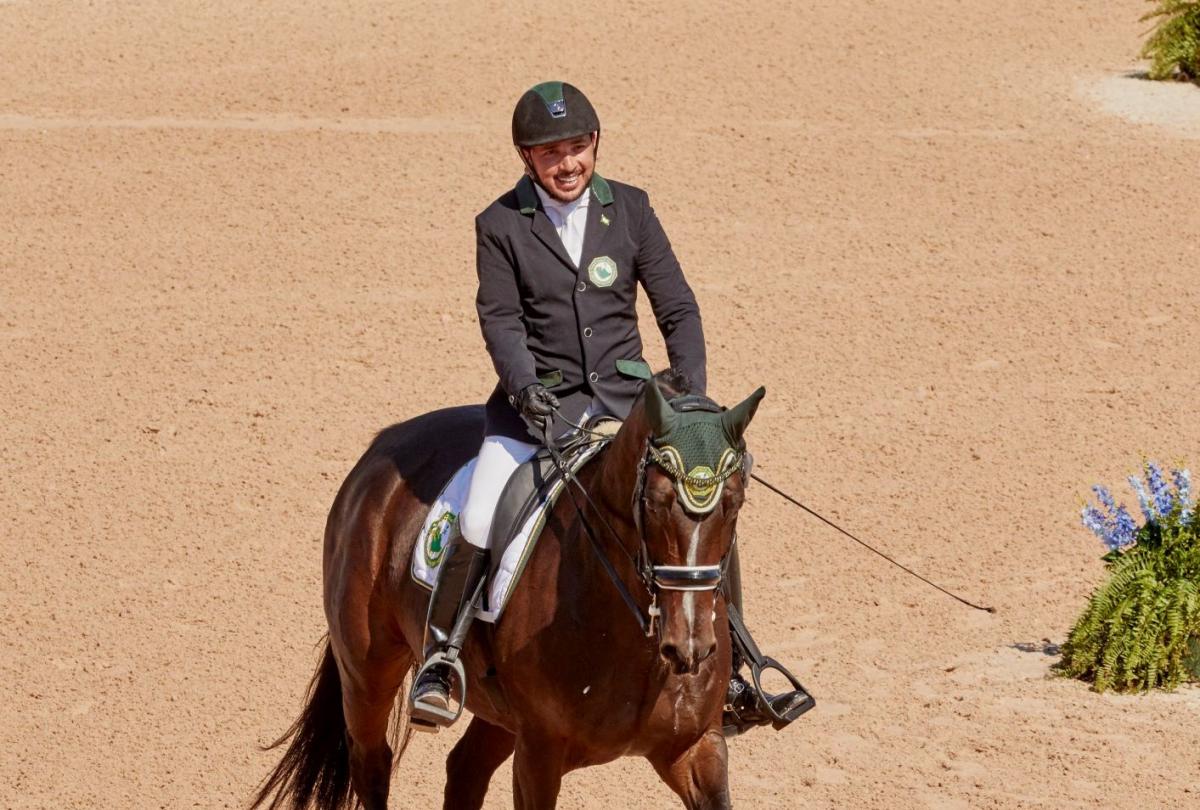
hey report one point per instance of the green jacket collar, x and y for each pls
(527, 198)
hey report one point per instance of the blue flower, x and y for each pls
(1183, 489)
(1118, 529)
(1095, 522)
(1124, 531)
(1105, 498)
(1159, 491)
(1139, 489)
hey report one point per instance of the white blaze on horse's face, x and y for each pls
(675, 537)
(691, 496)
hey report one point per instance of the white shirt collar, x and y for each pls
(565, 209)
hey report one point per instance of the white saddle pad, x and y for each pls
(441, 526)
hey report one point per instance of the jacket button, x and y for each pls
(593, 377)
(587, 331)
(581, 286)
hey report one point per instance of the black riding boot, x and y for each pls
(744, 703)
(459, 578)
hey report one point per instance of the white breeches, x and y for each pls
(498, 459)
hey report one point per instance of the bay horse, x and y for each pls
(567, 679)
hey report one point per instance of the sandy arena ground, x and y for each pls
(237, 241)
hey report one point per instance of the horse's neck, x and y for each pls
(609, 510)
(589, 542)
(618, 470)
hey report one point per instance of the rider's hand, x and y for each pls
(536, 404)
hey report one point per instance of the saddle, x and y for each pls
(526, 500)
(532, 490)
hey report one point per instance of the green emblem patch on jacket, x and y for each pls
(602, 271)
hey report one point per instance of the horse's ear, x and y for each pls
(658, 411)
(737, 418)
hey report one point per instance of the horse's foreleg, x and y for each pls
(368, 695)
(537, 773)
(469, 768)
(700, 775)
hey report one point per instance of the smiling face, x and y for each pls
(563, 168)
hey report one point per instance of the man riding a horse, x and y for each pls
(646, 528)
(559, 259)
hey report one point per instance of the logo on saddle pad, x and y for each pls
(437, 536)
(602, 271)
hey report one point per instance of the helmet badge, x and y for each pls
(557, 108)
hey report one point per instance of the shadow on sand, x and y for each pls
(1045, 647)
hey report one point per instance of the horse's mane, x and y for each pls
(673, 383)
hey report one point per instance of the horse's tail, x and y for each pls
(315, 769)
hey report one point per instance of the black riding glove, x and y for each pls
(536, 404)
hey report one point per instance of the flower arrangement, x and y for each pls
(1173, 47)
(1141, 628)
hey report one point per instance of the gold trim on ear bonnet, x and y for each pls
(698, 448)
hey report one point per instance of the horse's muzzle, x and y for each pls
(686, 659)
(686, 637)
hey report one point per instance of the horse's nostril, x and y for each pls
(684, 660)
(675, 657)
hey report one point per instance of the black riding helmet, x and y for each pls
(552, 111)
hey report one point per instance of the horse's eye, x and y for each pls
(732, 498)
(660, 501)
(660, 495)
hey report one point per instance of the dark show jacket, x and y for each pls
(575, 329)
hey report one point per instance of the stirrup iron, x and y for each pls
(784, 707)
(781, 708)
(430, 717)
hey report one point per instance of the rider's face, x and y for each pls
(564, 168)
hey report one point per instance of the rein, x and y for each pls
(647, 624)
(652, 577)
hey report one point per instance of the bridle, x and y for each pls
(653, 577)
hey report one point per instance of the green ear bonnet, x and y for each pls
(698, 445)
